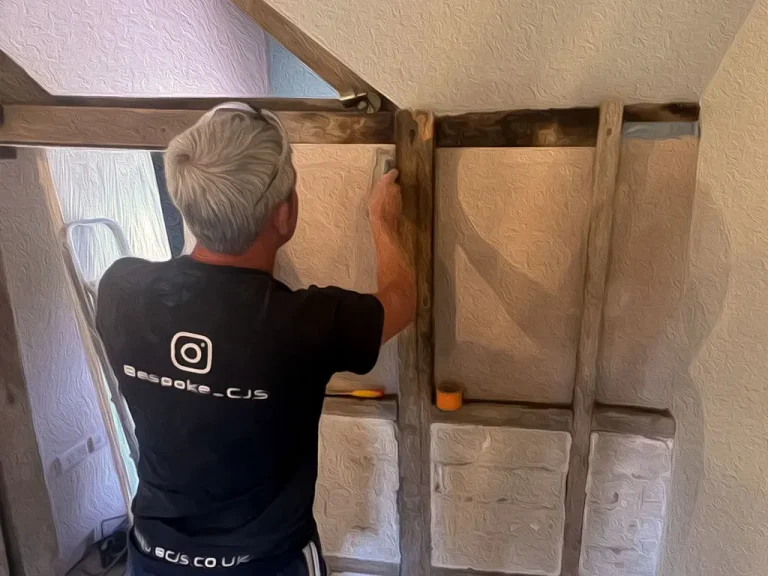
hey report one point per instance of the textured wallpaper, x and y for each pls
(153, 47)
(722, 455)
(509, 261)
(63, 401)
(463, 55)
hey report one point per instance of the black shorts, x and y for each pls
(307, 562)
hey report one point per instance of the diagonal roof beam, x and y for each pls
(18, 86)
(346, 82)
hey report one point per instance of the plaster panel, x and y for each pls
(627, 492)
(643, 341)
(510, 244)
(289, 77)
(333, 244)
(509, 54)
(154, 47)
(719, 503)
(356, 495)
(497, 498)
(64, 405)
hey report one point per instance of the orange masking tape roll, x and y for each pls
(448, 398)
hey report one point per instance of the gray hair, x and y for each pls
(227, 173)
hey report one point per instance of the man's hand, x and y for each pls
(395, 276)
(386, 203)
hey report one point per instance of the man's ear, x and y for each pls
(285, 216)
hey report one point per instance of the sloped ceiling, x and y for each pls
(448, 55)
(458, 55)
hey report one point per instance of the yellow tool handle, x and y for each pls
(357, 393)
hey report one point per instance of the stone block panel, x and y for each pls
(627, 493)
(497, 498)
(356, 498)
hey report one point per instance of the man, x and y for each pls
(224, 368)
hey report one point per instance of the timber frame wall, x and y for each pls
(30, 116)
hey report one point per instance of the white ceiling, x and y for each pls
(455, 55)
(447, 55)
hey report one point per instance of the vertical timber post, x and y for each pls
(414, 139)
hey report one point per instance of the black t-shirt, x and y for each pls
(224, 370)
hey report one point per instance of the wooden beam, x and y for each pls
(655, 424)
(152, 129)
(605, 171)
(384, 409)
(520, 128)
(512, 415)
(18, 86)
(414, 139)
(301, 45)
(162, 103)
(680, 112)
(356, 566)
(26, 515)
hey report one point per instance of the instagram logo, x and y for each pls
(192, 352)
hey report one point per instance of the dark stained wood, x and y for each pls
(625, 420)
(605, 171)
(18, 86)
(338, 564)
(385, 409)
(160, 103)
(320, 60)
(567, 127)
(414, 141)
(25, 510)
(513, 415)
(152, 129)
(681, 112)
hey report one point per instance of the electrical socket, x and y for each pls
(72, 457)
(96, 442)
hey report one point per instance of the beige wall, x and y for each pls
(333, 244)
(510, 241)
(724, 532)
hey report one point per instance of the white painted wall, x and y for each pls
(64, 404)
(458, 55)
(723, 474)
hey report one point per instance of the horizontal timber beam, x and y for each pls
(436, 571)
(520, 128)
(623, 420)
(163, 103)
(152, 129)
(384, 409)
(357, 566)
(680, 112)
(512, 415)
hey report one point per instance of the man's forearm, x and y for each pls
(396, 280)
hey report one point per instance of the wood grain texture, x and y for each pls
(385, 409)
(152, 129)
(355, 566)
(301, 45)
(528, 416)
(18, 86)
(163, 103)
(605, 173)
(680, 112)
(26, 514)
(624, 420)
(527, 128)
(415, 157)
